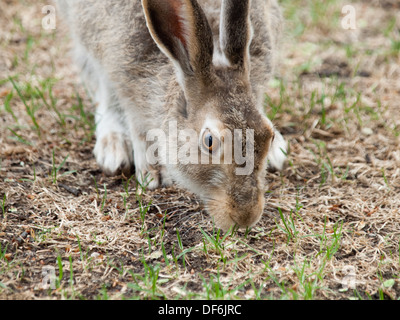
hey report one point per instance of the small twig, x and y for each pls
(22, 237)
(74, 191)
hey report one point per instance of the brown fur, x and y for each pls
(128, 49)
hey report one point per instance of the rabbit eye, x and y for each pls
(210, 142)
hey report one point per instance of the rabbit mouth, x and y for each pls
(227, 213)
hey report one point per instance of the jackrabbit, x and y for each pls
(178, 83)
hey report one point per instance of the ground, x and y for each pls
(331, 224)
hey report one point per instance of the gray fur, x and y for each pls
(144, 73)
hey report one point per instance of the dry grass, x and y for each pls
(336, 101)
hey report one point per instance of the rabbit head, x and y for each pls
(215, 104)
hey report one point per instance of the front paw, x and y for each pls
(114, 154)
(278, 153)
(148, 179)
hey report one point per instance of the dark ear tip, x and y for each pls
(181, 30)
(237, 31)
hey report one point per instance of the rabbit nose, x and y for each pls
(248, 215)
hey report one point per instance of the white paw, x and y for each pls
(113, 152)
(148, 180)
(147, 175)
(277, 153)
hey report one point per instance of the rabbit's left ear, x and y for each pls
(236, 33)
(181, 30)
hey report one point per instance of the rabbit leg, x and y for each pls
(148, 176)
(277, 153)
(113, 149)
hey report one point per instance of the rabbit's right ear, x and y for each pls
(236, 33)
(181, 30)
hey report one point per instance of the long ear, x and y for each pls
(181, 30)
(235, 32)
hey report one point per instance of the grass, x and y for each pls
(148, 284)
(7, 106)
(30, 108)
(214, 289)
(104, 200)
(52, 106)
(55, 170)
(141, 188)
(37, 97)
(19, 138)
(217, 243)
(3, 206)
(83, 119)
(289, 227)
(3, 256)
